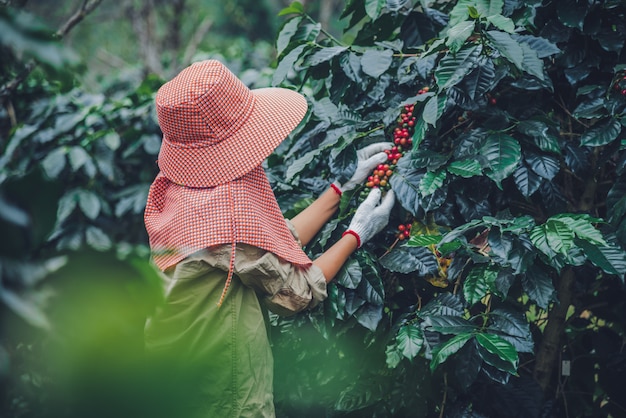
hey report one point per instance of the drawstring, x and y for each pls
(231, 264)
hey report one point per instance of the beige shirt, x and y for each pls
(284, 288)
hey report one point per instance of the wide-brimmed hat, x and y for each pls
(216, 129)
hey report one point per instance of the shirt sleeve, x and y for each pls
(285, 288)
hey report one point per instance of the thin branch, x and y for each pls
(87, 7)
(445, 394)
(202, 29)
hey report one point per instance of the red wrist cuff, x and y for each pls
(336, 189)
(358, 238)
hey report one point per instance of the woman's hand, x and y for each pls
(367, 159)
(371, 216)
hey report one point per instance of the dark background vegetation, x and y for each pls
(508, 300)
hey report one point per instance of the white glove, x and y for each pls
(371, 217)
(367, 159)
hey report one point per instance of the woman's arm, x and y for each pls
(312, 219)
(331, 261)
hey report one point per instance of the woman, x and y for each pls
(225, 250)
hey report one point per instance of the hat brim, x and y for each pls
(276, 112)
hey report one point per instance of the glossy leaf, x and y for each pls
(508, 47)
(409, 259)
(447, 324)
(375, 62)
(405, 183)
(605, 133)
(432, 181)
(324, 55)
(547, 166)
(350, 275)
(284, 36)
(542, 46)
(501, 348)
(454, 67)
(538, 286)
(478, 283)
(465, 168)
(513, 327)
(458, 34)
(527, 181)
(450, 347)
(423, 240)
(503, 154)
(501, 22)
(410, 340)
(609, 258)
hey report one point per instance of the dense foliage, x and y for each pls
(512, 279)
(506, 296)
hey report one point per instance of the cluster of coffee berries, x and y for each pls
(402, 139)
(403, 231)
(380, 177)
(620, 84)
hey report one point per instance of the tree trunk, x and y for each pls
(551, 343)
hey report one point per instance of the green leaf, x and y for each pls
(572, 13)
(431, 114)
(540, 133)
(423, 240)
(502, 23)
(286, 64)
(445, 350)
(526, 180)
(503, 154)
(448, 324)
(465, 168)
(454, 67)
(547, 166)
(97, 239)
(508, 47)
(27, 308)
(373, 8)
(325, 54)
(543, 47)
(375, 62)
(538, 286)
(369, 316)
(458, 34)
(610, 258)
(288, 30)
(602, 134)
(479, 81)
(350, 275)
(410, 340)
(78, 157)
(89, 203)
(295, 7)
(513, 327)
(432, 181)
(479, 281)
(54, 162)
(582, 226)
(502, 349)
(405, 183)
(405, 259)
(531, 62)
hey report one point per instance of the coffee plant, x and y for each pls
(506, 296)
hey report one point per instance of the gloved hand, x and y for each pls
(371, 217)
(367, 159)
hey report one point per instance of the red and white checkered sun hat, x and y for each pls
(215, 129)
(212, 189)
